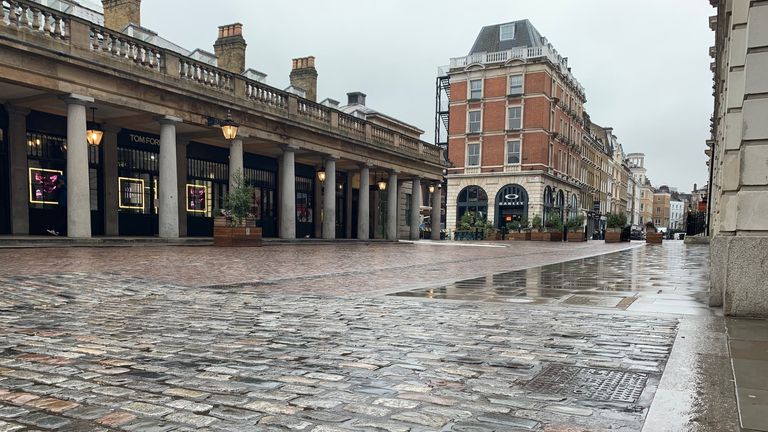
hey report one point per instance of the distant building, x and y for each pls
(676, 215)
(661, 208)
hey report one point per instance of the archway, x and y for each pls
(511, 204)
(471, 198)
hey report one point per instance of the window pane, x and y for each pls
(515, 121)
(474, 121)
(507, 32)
(475, 89)
(515, 84)
(513, 152)
(473, 154)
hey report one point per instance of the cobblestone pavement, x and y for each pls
(102, 349)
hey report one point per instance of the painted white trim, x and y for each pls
(522, 84)
(508, 117)
(481, 121)
(469, 88)
(479, 155)
(520, 152)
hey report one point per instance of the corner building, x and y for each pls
(515, 129)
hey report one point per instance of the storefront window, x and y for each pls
(474, 199)
(137, 181)
(207, 183)
(304, 197)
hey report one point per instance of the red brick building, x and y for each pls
(516, 126)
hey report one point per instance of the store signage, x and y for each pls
(511, 200)
(131, 193)
(143, 139)
(197, 198)
(45, 186)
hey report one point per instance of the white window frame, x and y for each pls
(519, 152)
(509, 126)
(501, 31)
(469, 121)
(509, 84)
(479, 155)
(469, 87)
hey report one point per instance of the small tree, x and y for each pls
(575, 223)
(616, 220)
(238, 202)
(554, 223)
(536, 223)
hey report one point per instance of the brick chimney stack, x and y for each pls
(230, 48)
(304, 76)
(119, 13)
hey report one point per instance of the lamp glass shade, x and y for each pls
(94, 136)
(229, 128)
(382, 185)
(431, 188)
(321, 176)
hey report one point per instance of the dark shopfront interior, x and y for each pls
(5, 181)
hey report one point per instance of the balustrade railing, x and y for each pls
(352, 124)
(266, 95)
(411, 145)
(382, 135)
(314, 111)
(36, 18)
(125, 47)
(205, 74)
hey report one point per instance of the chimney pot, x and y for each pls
(304, 76)
(230, 48)
(354, 98)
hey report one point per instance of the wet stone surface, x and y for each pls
(106, 351)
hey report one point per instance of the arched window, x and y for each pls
(511, 204)
(471, 198)
(549, 203)
(575, 211)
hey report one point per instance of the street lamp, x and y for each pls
(431, 188)
(381, 183)
(94, 135)
(229, 127)
(321, 175)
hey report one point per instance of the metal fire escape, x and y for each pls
(442, 99)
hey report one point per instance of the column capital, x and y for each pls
(289, 147)
(13, 109)
(365, 165)
(331, 157)
(75, 99)
(169, 120)
(393, 171)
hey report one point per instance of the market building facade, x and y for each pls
(161, 164)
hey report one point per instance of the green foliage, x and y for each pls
(554, 223)
(575, 223)
(472, 220)
(616, 220)
(239, 201)
(536, 223)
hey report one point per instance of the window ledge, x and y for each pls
(474, 133)
(514, 130)
(514, 95)
(470, 100)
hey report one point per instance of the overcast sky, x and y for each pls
(644, 64)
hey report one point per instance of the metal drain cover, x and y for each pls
(600, 301)
(596, 384)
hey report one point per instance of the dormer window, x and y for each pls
(506, 32)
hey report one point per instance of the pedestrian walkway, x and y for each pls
(127, 339)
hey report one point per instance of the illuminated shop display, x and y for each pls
(131, 194)
(45, 186)
(197, 198)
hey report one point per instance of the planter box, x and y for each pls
(654, 238)
(519, 236)
(547, 236)
(227, 236)
(576, 237)
(612, 237)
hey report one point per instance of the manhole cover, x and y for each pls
(604, 385)
(600, 301)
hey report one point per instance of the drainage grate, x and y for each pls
(600, 301)
(604, 385)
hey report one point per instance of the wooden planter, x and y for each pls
(519, 236)
(577, 236)
(547, 236)
(613, 236)
(226, 236)
(654, 238)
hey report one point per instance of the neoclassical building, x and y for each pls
(108, 129)
(516, 124)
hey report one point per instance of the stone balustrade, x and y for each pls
(80, 34)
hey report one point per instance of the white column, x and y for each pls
(329, 200)
(77, 182)
(436, 201)
(363, 209)
(415, 206)
(288, 194)
(168, 188)
(392, 207)
(235, 160)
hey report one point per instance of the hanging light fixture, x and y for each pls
(94, 135)
(382, 184)
(431, 188)
(229, 127)
(321, 175)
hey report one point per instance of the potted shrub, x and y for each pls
(575, 227)
(555, 227)
(519, 229)
(236, 226)
(652, 235)
(615, 222)
(471, 227)
(537, 234)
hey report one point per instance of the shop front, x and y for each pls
(47, 178)
(471, 199)
(261, 175)
(305, 199)
(138, 159)
(5, 179)
(511, 205)
(207, 184)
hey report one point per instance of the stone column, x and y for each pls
(329, 200)
(18, 169)
(415, 205)
(317, 203)
(436, 210)
(182, 171)
(235, 160)
(288, 193)
(364, 206)
(77, 174)
(109, 179)
(168, 190)
(392, 207)
(348, 206)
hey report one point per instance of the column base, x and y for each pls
(738, 265)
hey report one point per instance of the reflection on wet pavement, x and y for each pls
(668, 279)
